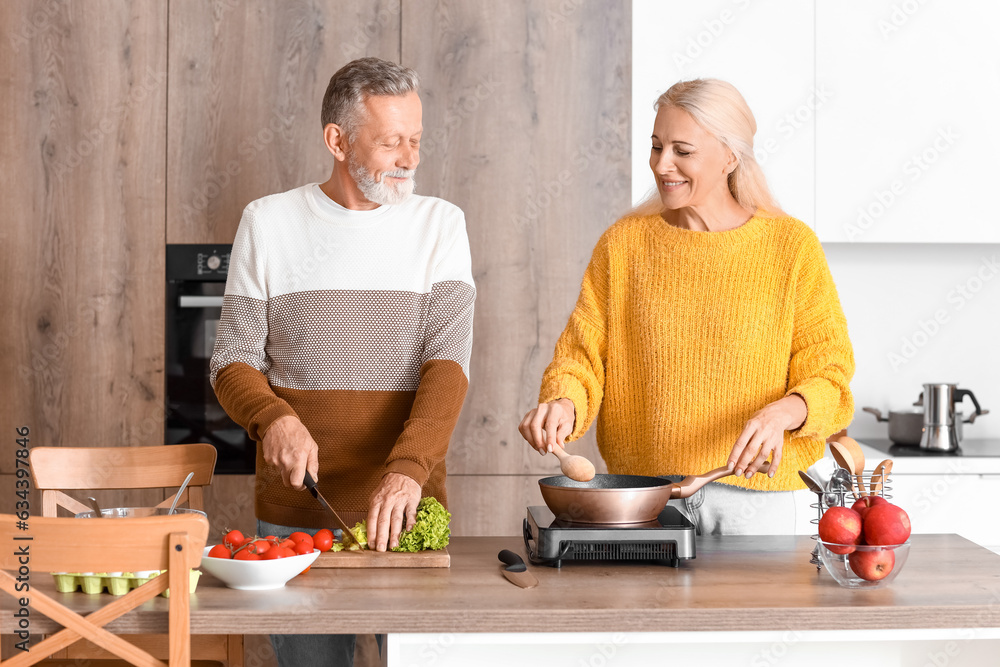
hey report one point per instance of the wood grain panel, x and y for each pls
(526, 108)
(229, 505)
(484, 505)
(83, 97)
(246, 88)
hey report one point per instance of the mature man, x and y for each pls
(346, 329)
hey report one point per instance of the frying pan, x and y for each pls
(620, 498)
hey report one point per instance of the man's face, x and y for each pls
(386, 150)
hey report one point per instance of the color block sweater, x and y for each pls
(359, 323)
(679, 336)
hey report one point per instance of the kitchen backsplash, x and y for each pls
(921, 313)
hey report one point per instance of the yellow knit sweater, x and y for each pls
(678, 337)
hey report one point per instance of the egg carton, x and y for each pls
(116, 583)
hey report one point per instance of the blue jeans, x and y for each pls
(303, 650)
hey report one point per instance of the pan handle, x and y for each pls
(687, 486)
(877, 413)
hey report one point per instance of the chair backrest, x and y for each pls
(174, 543)
(59, 469)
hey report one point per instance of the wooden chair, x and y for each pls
(56, 470)
(174, 543)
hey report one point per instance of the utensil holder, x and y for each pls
(843, 496)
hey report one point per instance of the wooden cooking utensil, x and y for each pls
(882, 471)
(687, 486)
(842, 456)
(575, 467)
(858, 457)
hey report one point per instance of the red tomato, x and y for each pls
(303, 548)
(220, 551)
(234, 539)
(278, 552)
(260, 547)
(246, 554)
(299, 536)
(271, 537)
(306, 570)
(323, 539)
(289, 543)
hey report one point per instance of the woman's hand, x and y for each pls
(764, 435)
(548, 424)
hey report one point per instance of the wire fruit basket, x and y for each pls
(840, 496)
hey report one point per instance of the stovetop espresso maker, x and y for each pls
(941, 430)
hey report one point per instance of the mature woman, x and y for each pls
(708, 329)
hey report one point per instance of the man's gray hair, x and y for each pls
(343, 103)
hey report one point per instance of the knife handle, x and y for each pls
(512, 561)
(309, 481)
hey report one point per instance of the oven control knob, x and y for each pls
(213, 262)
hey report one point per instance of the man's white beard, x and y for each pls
(382, 192)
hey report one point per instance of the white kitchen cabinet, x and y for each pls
(951, 502)
(906, 144)
(764, 49)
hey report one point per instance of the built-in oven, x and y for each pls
(196, 282)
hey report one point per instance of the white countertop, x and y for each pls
(931, 465)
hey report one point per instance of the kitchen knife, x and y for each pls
(311, 485)
(516, 571)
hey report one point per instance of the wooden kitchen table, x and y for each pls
(756, 593)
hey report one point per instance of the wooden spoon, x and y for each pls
(842, 456)
(858, 457)
(882, 471)
(575, 467)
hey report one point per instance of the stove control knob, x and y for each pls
(213, 262)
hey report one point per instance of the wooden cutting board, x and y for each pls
(439, 558)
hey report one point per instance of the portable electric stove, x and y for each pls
(550, 541)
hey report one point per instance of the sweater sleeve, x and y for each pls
(444, 369)
(822, 361)
(239, 363)
(577, 368)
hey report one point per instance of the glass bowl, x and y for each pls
(866, 566)
(135, 512)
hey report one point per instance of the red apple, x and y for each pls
(886, 524)
(872, 564)
(865, 503)
(841, 526)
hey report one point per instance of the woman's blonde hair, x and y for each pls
(719, 108)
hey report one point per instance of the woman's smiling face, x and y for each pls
(690, 165)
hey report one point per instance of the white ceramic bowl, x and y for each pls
(256, 575)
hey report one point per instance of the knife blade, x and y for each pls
(516, 571)
(311, 485)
